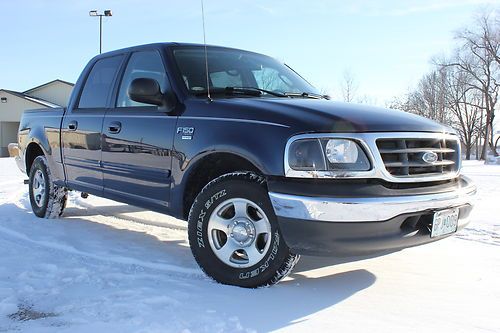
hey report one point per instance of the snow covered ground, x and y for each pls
(109, 267)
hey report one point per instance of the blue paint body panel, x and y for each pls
(149, 161)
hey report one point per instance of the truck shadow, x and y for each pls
(293, 300)
(308, 263)
(171, 271)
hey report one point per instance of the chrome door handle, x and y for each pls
(73, 125)
(114, 127)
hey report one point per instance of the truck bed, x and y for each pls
(41, 124)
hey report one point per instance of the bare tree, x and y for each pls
(367, 99)
(348, 86)
(432, 91)
(445, 95)
(478, 56)
(462, 102)
(428, 99)
(491, 32)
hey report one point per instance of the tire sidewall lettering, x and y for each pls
(203, 213)
(265, 264)
(214, 198)
(199, 228)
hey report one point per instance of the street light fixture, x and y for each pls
(95, 13)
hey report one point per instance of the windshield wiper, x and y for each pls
(251, 91)
(306, 95)
(269, 92)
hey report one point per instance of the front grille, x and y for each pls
(404, 157)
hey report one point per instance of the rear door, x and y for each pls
(81, 127)
(137, 140)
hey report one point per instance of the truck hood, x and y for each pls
(312, 115)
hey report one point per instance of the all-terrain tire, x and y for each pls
(47, 199)
(277, 260)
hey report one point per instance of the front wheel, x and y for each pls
(47, 199)
(234, 234)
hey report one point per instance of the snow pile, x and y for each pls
(107, 267)
(495, 160)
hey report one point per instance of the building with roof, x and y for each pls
(52, 94)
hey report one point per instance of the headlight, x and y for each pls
(324, 154)
(307, 155)
(341, 151)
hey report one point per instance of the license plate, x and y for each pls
(445, 222)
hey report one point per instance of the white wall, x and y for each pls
(15, 106)
(56, 92)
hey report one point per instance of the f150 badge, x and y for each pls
(187, 132)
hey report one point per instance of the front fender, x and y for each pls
(261, 144)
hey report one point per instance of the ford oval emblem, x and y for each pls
(430, 157)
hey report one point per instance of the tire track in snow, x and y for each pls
(120, 216)
(11, 182)
(484, 236)
(21, 202)
(168, 268)
(10, 195)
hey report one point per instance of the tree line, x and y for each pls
(462, 90)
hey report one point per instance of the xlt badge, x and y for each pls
(187, 132)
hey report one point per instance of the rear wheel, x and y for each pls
(234, 233)
(47, 199)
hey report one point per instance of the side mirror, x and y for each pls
(144, 90)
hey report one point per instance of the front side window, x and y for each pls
(99, 83)
(146, 64)
(238, 69)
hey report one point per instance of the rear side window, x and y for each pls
(144, 64)
(100, 83)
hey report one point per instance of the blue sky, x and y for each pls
(385, 44)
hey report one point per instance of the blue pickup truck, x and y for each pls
(262, 166)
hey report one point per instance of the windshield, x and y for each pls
(237, 69)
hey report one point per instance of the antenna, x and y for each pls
(206, 53)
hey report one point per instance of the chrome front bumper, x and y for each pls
(367, 209)
(15, 151)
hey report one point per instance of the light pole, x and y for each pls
(94, 13)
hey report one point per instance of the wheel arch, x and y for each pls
(33, 150)
(208, 167)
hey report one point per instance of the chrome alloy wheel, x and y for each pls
(39, 188)
(239, 232)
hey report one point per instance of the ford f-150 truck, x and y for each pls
(262, 166)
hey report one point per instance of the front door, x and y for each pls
(137, 140)
(81, 128)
